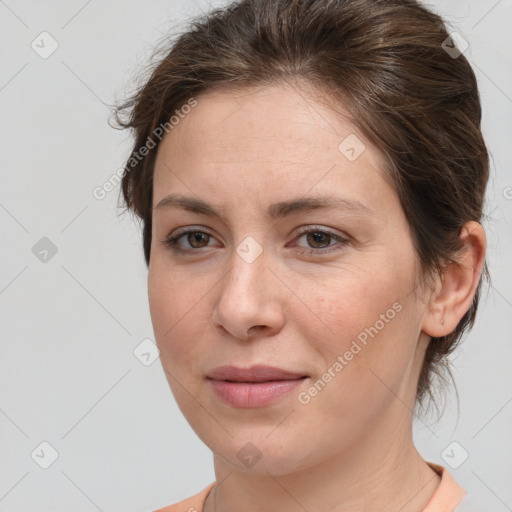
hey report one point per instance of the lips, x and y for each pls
(257, 373)
(258, 386)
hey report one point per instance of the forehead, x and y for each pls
(242, 119)
(265, 142)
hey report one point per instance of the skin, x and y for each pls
(350, 447)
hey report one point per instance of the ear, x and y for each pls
(454, 292)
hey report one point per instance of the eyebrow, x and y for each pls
(274, 211)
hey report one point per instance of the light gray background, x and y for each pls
(68, 375)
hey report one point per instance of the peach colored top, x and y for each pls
(446, 498)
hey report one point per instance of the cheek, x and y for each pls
(370, 319)
(369, 362)
(175, 305)
(343, 305)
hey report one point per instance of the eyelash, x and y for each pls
(172, 242)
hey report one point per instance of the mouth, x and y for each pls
(257, 386)
(257, 373)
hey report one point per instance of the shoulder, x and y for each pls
(192, 504)
(448, 495)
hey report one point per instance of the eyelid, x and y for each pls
(342, 241)
(187, 229)
(312, 227)
(301, 230)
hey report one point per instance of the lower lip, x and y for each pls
(253, 394)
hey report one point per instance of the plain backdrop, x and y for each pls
(73, 291)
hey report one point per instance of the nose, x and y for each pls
(249, 300)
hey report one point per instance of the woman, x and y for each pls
(310, 176)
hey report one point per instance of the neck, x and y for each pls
(384, 473)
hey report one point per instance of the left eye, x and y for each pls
(320, 240)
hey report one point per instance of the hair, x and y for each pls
(386, 62)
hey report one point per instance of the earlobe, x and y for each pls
(454, 293)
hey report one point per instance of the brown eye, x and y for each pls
(194, 239)
(318, 239)
(197, 238)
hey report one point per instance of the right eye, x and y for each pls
(196, 239)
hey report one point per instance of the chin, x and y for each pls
(258, 454)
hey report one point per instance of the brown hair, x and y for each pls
(385, 61)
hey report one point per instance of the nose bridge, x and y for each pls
(246, 298)
(247, 271)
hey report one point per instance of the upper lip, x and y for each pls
(258, 373)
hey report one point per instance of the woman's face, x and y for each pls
(328, 293)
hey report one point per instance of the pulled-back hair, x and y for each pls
(388, 63)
